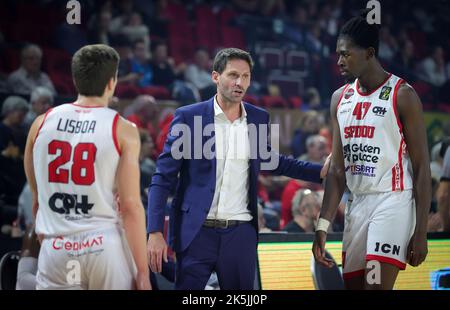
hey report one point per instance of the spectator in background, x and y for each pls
(262, 220)
(305, 211)
(142, 112)
(288, 194)
(316, 149)
(312, 100)
(167, 74)
(309, 125)
(70, 37)
(141, 63)
(164, 68)
(316, 42)
(328, 21)
(433, 68)
(29, 75)
(164, 126)
(135, 30)
(41, 100)
(14, 110)
(99, 32)
(443, 193)
(295, 30)
(404, 61)
(123, 47)
(12, 145)
(147, 166)
(126, 8)
(199, 74)
(388, 45)
(3, 76)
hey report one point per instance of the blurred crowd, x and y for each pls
(166, 49)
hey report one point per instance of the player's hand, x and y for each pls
(143, 281)
(318, 249)
(326, 166)
(417, 249)
(156, 251)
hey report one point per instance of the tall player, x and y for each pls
(76, 155)
(380, 152)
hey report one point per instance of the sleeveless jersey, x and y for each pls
(75, 160)
(375, 153)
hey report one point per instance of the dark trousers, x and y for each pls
(231, 252)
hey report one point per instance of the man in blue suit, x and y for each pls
(213, 155)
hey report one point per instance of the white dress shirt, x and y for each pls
(230, 201)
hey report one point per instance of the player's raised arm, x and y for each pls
(132, 210)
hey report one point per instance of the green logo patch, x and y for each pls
(385, 91)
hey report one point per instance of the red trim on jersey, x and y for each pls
(88, 106)
(340, 97)
(343, 259)
(114, 134)
(361, 94)
(394, 177)
(388, 260)
(400, 185)
(400, 162)
(394, 105)
(353, 274)
(43, 121)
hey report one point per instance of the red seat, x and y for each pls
(206, 28)
(251, 99)
(226, 16)
(444, 107)
(181, 49)
(176, 12)
(11, 61)
(295, 102)
(271, 58)
(273, 102)
(63, 83)
(419, 39)
(159, 92)
(423, 90)
(232, 37)
(56, 60)
(125, 90)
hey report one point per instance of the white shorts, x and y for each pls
(377, 227)
(98, 260)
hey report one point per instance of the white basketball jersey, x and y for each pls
(375, 152)
(75, 159)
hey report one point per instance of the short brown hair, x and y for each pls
(92, 68)
(227, 54)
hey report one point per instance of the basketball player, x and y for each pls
(76, 154)
(380, 152)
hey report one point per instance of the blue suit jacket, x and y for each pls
(195, 179)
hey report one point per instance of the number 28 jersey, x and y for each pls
(75, 158)
(375, 153)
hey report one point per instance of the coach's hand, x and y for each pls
(417, 249)
(156, 250)
(318, 249)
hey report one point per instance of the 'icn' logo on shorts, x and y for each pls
(387, 248)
